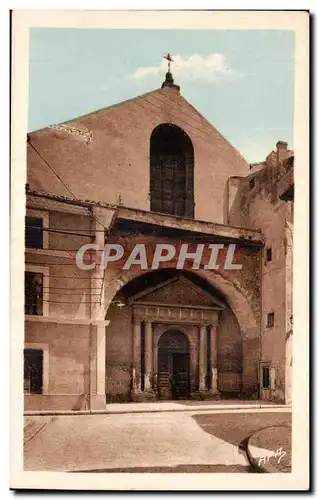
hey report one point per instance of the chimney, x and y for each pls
(281, 151)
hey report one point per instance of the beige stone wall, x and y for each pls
(68, 347)
(260, 208)
(119, 352)
(67, 307)
(69, 223)
(69, 292)
(68, 364)
(229, 357)
(111, 166)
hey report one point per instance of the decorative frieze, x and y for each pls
(175, 314)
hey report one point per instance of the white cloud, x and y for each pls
(196, 68)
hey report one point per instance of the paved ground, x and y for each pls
(190, 469)
(186, 405)
(228, 403)
(34, 425)
(170, 406)
(235, 428)
(276, 438)
(150, 442)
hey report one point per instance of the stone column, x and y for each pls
(202, 358)
(100, 360)
(193, 367)
(148, 356)
(98, 323)
(136, 373)
(97, 365)
(213, 360)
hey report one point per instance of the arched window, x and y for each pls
(171, 171)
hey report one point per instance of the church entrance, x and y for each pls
(173, 366)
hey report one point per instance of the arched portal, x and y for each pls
(234, 294)
(131, 283)
(173, 365)
(171, 171)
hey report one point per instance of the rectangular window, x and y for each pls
(270, 319)
(33, 371)
(252, 183)
(268, 254)
(33, 232)
(265, 377)
(33, 293)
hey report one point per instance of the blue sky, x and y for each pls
(241, 81)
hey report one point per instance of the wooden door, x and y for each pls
(164, 374)
(180, 376)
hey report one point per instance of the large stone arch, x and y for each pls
(236, 298)
(234, 295)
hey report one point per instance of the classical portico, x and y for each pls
(174, 345)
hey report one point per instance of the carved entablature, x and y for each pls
(175, 314)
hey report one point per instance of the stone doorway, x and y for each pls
(173, 366)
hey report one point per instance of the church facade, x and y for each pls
(150, 172)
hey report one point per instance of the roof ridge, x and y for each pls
(99, 110)
(215, 129)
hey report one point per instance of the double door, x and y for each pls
(173, 375)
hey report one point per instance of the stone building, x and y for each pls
(152, 170)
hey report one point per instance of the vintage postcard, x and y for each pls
(159, 260)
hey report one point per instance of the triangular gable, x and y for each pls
(88, 151)
(178, 291)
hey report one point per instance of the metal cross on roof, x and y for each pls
(168, 57)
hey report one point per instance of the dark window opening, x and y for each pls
(265, 377)
(33, 371)
(252, 183)
(270, 319)
(171, 171)
(269, 254)
(33, 232)
(33, 293)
